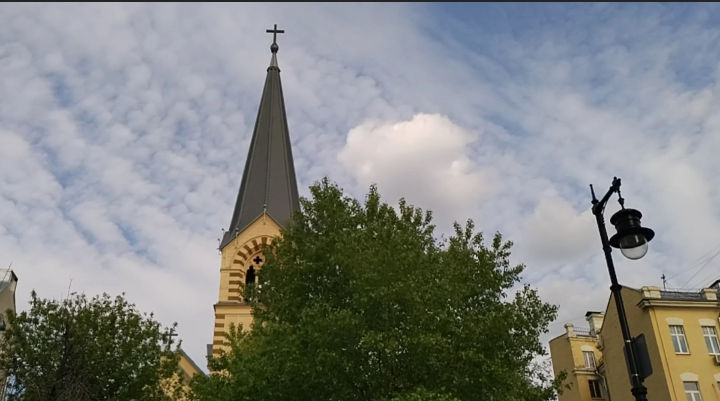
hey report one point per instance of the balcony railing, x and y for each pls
(681, 294)
(582, 332)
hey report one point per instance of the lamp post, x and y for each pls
(632, 240)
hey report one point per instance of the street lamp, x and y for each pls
(632, 239)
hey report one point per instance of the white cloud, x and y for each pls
(425, 160)
(556, 232)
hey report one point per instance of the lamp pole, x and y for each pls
(628, 223)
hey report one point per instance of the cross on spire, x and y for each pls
(169, 336)
(275, 31)
(274, 47)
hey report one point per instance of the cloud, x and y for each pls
(557, 232)
(124, 129)
(424, 159)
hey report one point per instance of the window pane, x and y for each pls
(692, 391)
(677, 333)
(691, 386)
(683, 345)
(711, 339)
(589, 359)
(708, 343)
(676, 343)
(679, 344)
(676, 330)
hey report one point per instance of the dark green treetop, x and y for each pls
(361, 301)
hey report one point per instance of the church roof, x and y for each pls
(192, 363)
(268, 183)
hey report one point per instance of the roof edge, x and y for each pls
(192, 362)
(227, 239)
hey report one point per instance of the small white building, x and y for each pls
(8, 284)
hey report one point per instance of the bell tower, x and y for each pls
(267, 198)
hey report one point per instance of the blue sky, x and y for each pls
(124, 129)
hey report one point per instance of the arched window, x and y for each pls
(250, 275)
(254, 265)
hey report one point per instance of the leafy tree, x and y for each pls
(82, 349)
(363, 302)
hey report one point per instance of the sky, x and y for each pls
(124, 130)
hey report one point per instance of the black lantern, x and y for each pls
(632, 238)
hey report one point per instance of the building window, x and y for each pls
(692, 391)
(595, 389)
(678, 339)
(711, 339)
(589, 358)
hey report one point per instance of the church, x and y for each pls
(267, 198)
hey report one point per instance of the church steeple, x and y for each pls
(268, 183)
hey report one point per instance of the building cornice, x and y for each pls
(583, 337)
(581, 370)
(707, 304)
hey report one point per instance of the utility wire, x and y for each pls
(701, 268)
(708, 279)
(694, 264)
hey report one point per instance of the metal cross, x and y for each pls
(170, 336)
(275, 31)
(257, 260)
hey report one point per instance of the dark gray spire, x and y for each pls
(268, 183)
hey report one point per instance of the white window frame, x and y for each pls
(679, 339)
(599, 395)
(692, 395)
(589, 359)
(711, 339)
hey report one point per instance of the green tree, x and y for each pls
(82, 349)
(360, 301)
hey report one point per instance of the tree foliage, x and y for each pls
(360, 301)
(82, 349)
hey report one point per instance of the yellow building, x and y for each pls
(681, 331)
(577, 353)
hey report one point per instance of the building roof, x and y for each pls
(268, 183)
(8, 279)
(190, 360)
